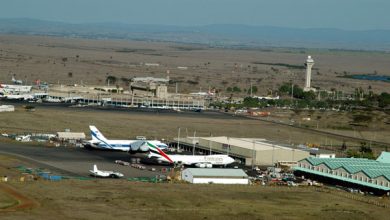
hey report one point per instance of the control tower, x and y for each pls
(309, 64)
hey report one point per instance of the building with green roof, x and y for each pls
(359, 172)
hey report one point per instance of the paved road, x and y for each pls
(325, 133)
(74, 161)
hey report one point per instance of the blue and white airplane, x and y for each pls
(133, 146)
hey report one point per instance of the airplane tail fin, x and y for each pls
(157, 151)
(96, 135)
(95, 169)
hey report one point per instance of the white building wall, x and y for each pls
(186, 175)
(219, 181)
(7, 108)
(326, 155)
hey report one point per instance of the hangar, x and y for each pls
(218, 176)
(251, 151)
(354, 172)
(66, 136)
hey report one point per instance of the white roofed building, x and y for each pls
(214, 176)
(66, 136)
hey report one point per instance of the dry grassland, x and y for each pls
(106, 199)
(91, 61)
(122, 125)
(6, 201)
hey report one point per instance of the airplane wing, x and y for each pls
(154, 155)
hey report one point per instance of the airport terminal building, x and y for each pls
(373, 175)
(251, 151)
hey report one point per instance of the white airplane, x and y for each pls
(190, 160)
(100, 142)
(17, 82)
(14, 89)
(23, 138)
(24, 97)
(101, 173)
(50, 99)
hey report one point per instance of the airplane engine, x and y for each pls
(209, 165)
(200, 165)
(139, 146)
(144, 148)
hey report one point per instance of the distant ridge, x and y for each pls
(220, 35)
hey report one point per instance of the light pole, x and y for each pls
(292, 90)
(178, 139)
(228, 146)
(193, 142)
(253, 155)
(273, 164)
(210, 144)
(251, 89)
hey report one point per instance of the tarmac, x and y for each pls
(76, 162)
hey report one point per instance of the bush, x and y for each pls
(192, 82)
(236, 89)
(362, 118)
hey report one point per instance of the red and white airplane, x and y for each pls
(201, 161)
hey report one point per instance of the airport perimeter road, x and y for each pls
(325, 133)
(73, 161)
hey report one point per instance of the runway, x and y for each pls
(71, 161)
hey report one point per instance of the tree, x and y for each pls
(309, 95)
(344, 146)
(298, 92)
(285, 88)
(364, 152)
(254, 90)
(111, 79)
(384, 100)
(192, 82)
(358, 118)
(251, 102)
(236, 89)
(224, 82)
(64, 60)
